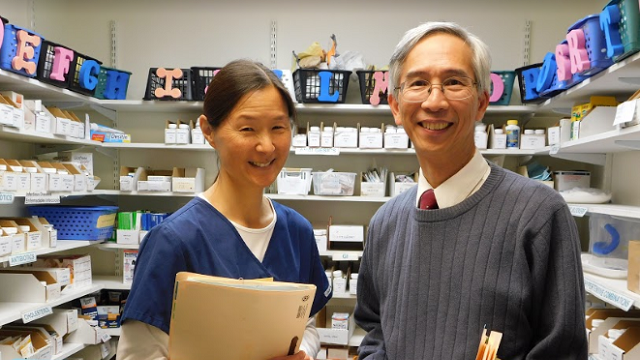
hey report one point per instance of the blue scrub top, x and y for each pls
(198, 238)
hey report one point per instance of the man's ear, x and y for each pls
(207, 130)
(395, 108)
(483, 103)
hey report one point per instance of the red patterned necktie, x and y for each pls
(428, 200)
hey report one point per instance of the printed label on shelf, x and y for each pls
(36, 314)
(625, 112)
(36, 199)
(20, 259)
(6, 198)
(105, 349)
(318, 151)
(102, 335)
(578, 211)
(610, 296)
(554, 149)
(346, 256)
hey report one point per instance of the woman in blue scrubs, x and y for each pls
(232, 229)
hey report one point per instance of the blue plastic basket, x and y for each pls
(629, 26)
(80, 222)
(595, 44)
(508, 77)
(10, 48)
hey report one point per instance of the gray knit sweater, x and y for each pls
(507, 257)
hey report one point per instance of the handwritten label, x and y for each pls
(35, 199)
(36, 314)
(6, 198)
(554, 149)
(607, 295)
(578, 211)
(625, 112)
(20, 259)
(318, 151)
(347, 256)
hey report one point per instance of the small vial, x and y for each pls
(339, 282)
(173, 126)
(528, 132)
(539, 132)
(353, 283)
(480, 136)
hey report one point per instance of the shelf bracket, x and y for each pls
(111, 153)
(633, 144)
(108, 113)
(48, 149)
(594, 159)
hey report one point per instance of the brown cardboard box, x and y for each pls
(633, 273)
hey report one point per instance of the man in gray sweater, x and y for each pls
(491, 248)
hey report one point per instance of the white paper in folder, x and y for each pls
(220, 318)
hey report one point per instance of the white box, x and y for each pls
(44, 350)
(127, 237)
(347, 138)
(61, 275)
(129, 258)
(85, 334)
(396, 141)
(566, 180)
(299, 140)
(340, 321)
(314, 139)
(197, 137)
(532, 142)
(183, 136)
(44, 123)
(63, 321)
(80, 266)
(597, 121)
(127, 182)
(346, 233)
(170, 135)
(83, 158)
(6, 244)
(496, 141)
(321, 240)
(626, 347)
(371, 140)
(6, 115)
(190, 180)
(33, 238)
(375, 189)
(326, 139)
(553, 135)
(337, 336)
(27, 288)
(156, 186)
(294, 181)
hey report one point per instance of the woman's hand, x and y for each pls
(301, 355)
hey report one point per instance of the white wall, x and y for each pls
(155, 33)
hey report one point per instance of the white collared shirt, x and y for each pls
(461, 185)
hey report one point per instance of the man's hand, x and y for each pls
(301, 355)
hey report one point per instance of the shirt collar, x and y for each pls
(460, 186)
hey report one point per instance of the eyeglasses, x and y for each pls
(453, 88)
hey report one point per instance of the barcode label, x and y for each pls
(302, 311)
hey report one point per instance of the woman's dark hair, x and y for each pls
(237, 79)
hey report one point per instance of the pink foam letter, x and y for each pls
(26, 51)
(169, 75)
(382, 83)
(577, 51)
(498, 87)
(61, 60)
(563, 62)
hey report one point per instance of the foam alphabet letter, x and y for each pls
(545, 78)
(89, 74)
(25, 52)
(61, 59)
(531, 79)
(324, 96)
(217, 71)
(382, 83)
(116, 85)
(609, 19)
(578, 51)
(563, 62)
(168, 76)
(1, 33)
(498, 88)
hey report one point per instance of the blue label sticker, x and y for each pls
(6, 198)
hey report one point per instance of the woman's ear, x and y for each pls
(207, 131)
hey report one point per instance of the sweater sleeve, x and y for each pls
(559, 290)
(367, 311)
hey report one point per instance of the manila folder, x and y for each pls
(220, 318)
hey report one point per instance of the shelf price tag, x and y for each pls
(578, 211)
(105, 350)
(625, 112)
(317, 151)
(37, 199)
(20, 259)
(6, 198)
(554, 149)
(102, 335)
(36, 314)
(346, 256)
(610, 296)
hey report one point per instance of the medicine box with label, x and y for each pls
(532, 139)
(340, 321)
(346, 237)
(183, 133)
(170, 132)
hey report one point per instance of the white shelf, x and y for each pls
(612, 291)
(158, 146)
(344, 296)
(13, 134)
(111, 282)
(68, 350)
(620, 79)
(632, 212)
(605, 142)
(63, 245)
(11, 311)
(114, 246)
(33, 88)
(341, 253)
(357, 337)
